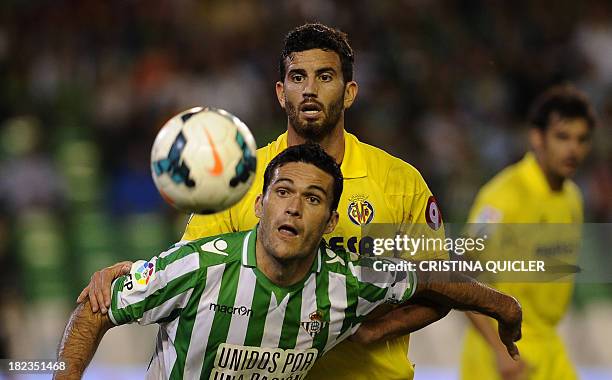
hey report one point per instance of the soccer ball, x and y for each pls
(203, 160)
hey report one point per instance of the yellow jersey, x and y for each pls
(378, 188)
(521, 194)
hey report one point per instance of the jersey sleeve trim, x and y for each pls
(133, 296)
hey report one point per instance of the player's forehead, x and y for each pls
(303, 176)
(313, 60)
(574, 126)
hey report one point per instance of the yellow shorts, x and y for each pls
(545, 357)
(350, 361)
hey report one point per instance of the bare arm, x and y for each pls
(464, 293)
(80, 340)
(397, 322)
(436, 293)
(508, 368)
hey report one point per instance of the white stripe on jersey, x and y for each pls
(165, 353)
(203, 323)
(174, 270)
(173, 249)
(274, 321)
(364, 306)
(338, 304)
(309, 305)
(162, 311)
(244, 297)
(245, 248)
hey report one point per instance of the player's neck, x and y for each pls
(332, 143)
(554, 181)
(282, 272)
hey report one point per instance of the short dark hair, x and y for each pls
(318, 36)
(566, 101)
(309, 153)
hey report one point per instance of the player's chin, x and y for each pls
(286, 253)
(311, 124)
(567, 171)
(286, 246)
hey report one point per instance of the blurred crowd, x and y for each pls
(85, 85)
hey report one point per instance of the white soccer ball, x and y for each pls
(203, 160)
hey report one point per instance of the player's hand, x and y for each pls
(509, 328)
(98, 290)
(509, 368)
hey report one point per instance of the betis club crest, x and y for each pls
(360, 211)
(315, 324)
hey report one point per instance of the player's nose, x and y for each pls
(294, 207)
(311, 88)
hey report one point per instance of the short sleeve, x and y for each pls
(382, 280)
(155, 290)
(424, 220)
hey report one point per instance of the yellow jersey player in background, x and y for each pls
(535, 190)
(316, 86)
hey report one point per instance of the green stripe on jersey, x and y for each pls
(292, 315)
(323, 307)
(261, 301)
(221, 322)
(187, 317)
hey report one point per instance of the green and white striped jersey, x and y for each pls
(221, 318)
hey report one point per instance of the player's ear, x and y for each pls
(536, 138)
(259, 206)
(280, 93)
(332, 222)
(350, 93)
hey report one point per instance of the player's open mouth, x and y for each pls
(571, 163)
(310, 109)
(288, 230)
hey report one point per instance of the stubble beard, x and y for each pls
(315, 131)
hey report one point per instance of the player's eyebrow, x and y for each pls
(283, 179)
(317, 72)
(296, 71)
(310, 187)
(325, 70)
(319, 188)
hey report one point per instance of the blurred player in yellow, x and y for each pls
(316, 86)
(537, 189)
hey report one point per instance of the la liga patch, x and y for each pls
(433, 216)
(144, 273)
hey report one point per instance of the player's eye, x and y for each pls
(297, 78)
(313, 200)
(282, 192)
(326, 77)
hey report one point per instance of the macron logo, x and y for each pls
(233, 310)
(215, 246)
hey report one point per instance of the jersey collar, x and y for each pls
(534, 174)
(354, 161)
(250, 260)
